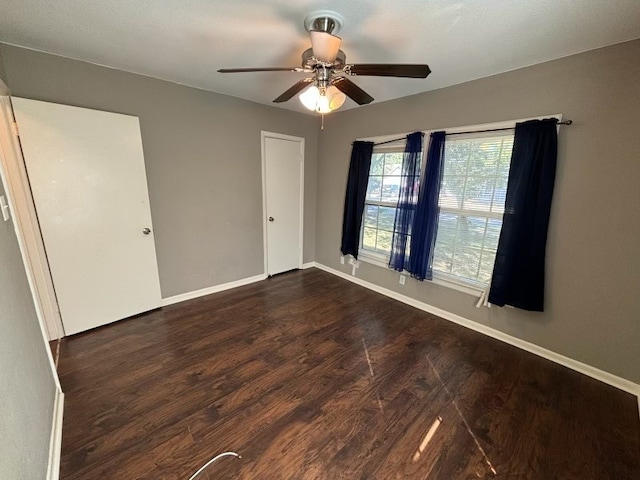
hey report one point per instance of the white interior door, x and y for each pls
(283, 174)
(86, 170)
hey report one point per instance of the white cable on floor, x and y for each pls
(225, 454)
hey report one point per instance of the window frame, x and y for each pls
(376, 257)
(439, 278)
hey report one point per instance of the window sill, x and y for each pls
(372, 259)
(382, 262)
(472, 290)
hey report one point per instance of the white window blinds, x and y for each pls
(472, 196)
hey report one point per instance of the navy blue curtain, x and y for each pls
(406, 201)
(354, 199)
(518, 274)
(425, 219)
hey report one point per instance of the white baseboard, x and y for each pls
(583, 368)
(209, 290)
(220, 288)
(55, 442)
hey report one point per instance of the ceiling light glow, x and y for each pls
(316, 100)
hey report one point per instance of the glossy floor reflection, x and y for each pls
(308, 376)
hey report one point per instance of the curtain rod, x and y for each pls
(566, 122)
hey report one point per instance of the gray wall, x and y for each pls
(202, 154)
(3, 75)
(593, 272)
(27, 389)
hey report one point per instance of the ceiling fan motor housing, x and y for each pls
(309, 61)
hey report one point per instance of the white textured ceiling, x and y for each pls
(186, 41)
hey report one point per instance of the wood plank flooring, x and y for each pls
(308, 376)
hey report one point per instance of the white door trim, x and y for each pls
(7, 147)
(26, 221)
(55, 441)
(263, 136)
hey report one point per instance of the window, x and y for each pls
(380, 203)
(472, 196)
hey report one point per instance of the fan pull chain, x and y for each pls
(322, 121)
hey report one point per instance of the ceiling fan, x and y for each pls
(329, 86)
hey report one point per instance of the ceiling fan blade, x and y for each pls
(297, 88)
(325, 46)
(266, 69)
(352, 91)
(389, 70)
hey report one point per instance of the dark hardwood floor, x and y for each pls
(308, 376)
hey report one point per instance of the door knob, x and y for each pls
(146, 231)
(271, 219)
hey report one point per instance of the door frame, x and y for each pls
(280, 136)
(26, 221)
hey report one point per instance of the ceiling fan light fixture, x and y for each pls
(323, 105)
(309, 98)
(336, 98)
(313, 99)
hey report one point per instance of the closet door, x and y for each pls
(283, 177)
(87, 175)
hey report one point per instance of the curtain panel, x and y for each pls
(407, 199)
(425, 219)
(357, 180)
(519, 270)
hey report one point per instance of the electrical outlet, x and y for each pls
(341, 259)
(403, 279)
